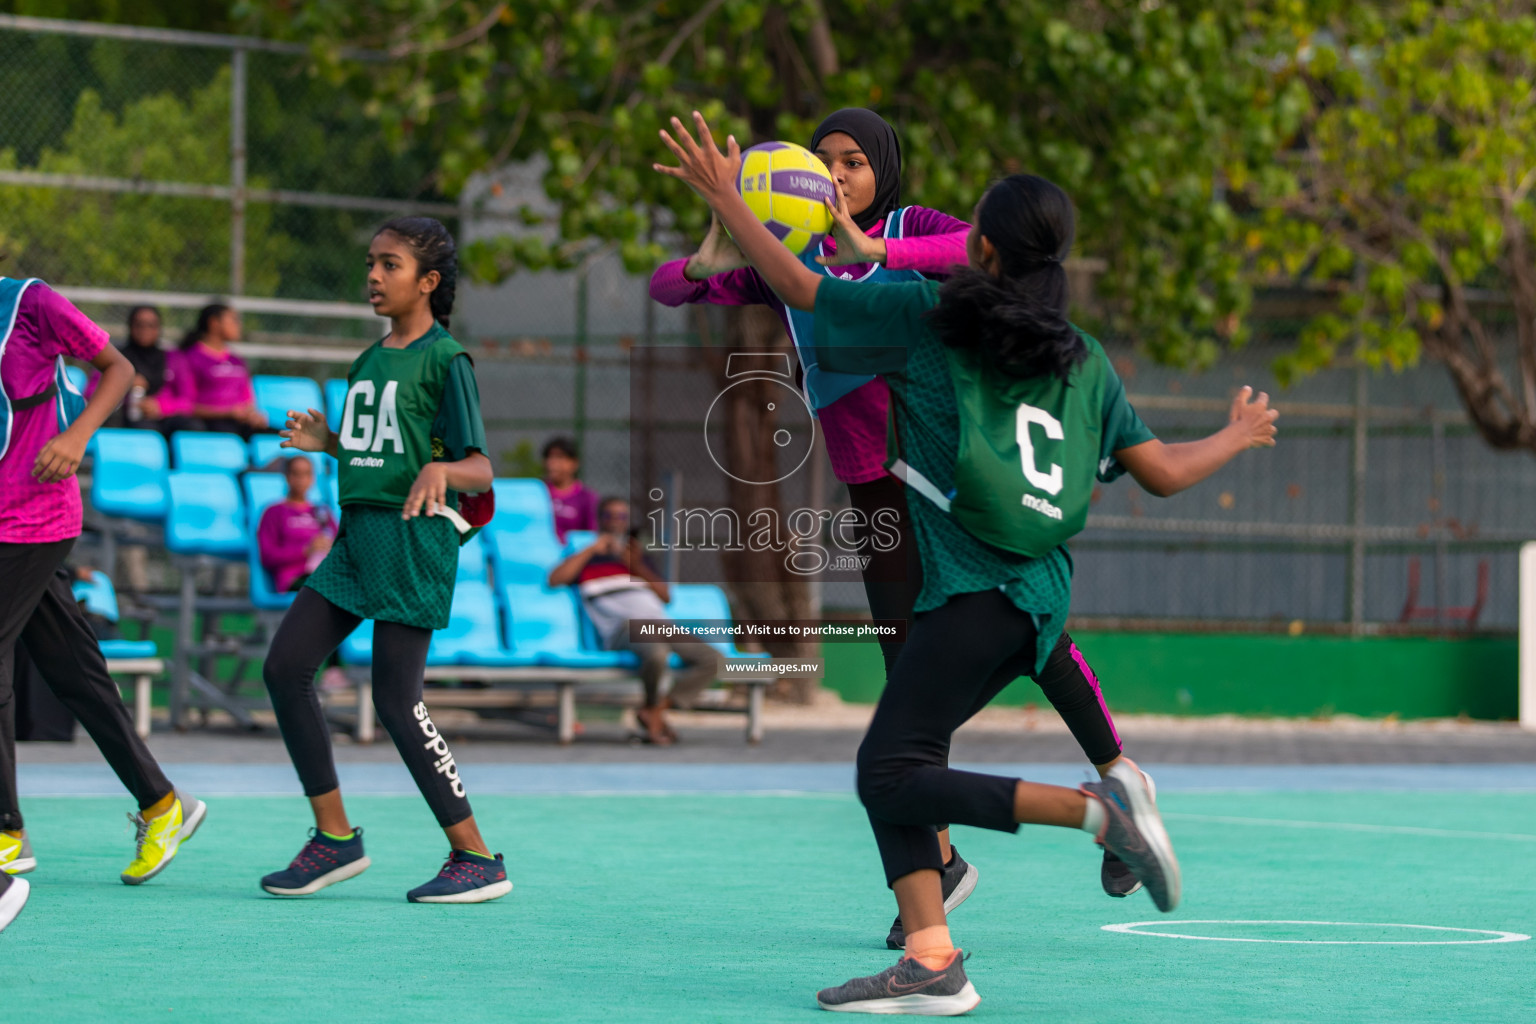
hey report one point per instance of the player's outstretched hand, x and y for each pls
(428, 493)
(701, 165)
(1253, 418)
(306, 431)
(853, 245)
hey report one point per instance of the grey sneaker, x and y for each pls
(13, 896)
(908, 987)
(1118, 880)
(959, 881)
(1133, 831)
(16, 856)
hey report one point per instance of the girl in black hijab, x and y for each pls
(876, 239)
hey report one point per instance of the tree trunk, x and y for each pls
(760, 583)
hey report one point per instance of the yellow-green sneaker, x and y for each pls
(16, 857)
(160, 838)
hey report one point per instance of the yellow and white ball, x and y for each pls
(786, 187)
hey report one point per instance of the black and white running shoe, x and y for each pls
(1118, 880)
(959, 881)
(13, 896)
(908, 987)
(1133, 831)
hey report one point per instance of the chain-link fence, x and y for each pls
(172, 167)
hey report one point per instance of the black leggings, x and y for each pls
(892, 581)
(37, 607)
(312, 629)
(957, 658)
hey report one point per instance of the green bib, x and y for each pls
(1028, 454)
(393, 396)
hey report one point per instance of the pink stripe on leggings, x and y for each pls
(1093, 681)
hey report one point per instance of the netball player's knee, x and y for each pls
(285, 674)
(880, 779)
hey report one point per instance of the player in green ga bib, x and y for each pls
(411, 441)
(1012, 428)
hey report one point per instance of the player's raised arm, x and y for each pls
(1166, 469)
(712, 174)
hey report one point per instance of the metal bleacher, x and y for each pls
(509, 635)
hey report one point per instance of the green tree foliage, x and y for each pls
(138, 241)
(1141, 112)
(1408, 195)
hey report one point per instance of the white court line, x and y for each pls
(1347, 826)
(1133, 928)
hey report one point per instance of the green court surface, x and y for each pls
(737, 908)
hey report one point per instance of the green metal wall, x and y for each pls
(1206, 674)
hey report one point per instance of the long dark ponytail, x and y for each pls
(434, 249)
(1017, 319)
(205, 318)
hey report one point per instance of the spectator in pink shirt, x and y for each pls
(294, 535)
(217, 382)
(575, 503)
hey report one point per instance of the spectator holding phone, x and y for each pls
(617, 583)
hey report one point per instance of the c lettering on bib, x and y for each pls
(1050, 482)
(359, 430)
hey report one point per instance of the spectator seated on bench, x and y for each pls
(295, 534)
(616, 584)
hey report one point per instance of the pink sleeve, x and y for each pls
(175, 397)
(932, 243)
(57, 319)
(741, 287)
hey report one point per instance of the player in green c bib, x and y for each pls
(411, 441)
(1006, 414)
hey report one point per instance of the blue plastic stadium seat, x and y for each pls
(522, 505)
(522, 557)
(706, 601)
(207, 515)
(100, 598)
(335, 401)
(128, 474)
(266, 447)
(112, 649)
(578, 540)
(472, 556)
(333, 494)
(219, 453)
(97, 594)
(471, 636)
(276, 395)
(542, 622)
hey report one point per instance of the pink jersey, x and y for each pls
(284, 535)
(854, 425)
(207, 378)
(47, 326)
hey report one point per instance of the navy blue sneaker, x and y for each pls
(465, 878)
(323, 861)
